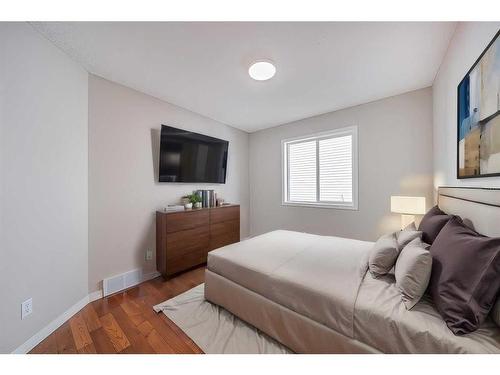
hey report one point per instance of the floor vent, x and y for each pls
(120, 282)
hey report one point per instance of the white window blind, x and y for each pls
(321, 170)
(335, 169)
(302, 171)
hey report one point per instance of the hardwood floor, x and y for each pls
(126, 323)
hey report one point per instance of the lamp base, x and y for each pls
(407, 220)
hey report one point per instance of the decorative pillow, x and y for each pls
(383, 255)
(407, 235)
(386, 250)
(465, 278)
(432, 223)
(495, 312)
(411, 226)
(413, 271)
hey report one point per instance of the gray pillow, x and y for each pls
(387, 248)
(411, 226)
(413, 272)
(495, 312)
(432, 223)
(465, 278)
(407, 235)
(404, 237)
(383, 255)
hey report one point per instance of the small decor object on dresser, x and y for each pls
(207, 197)
(191, 200)
(174, 207)
(478, 117)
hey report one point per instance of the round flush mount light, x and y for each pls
(262, 70)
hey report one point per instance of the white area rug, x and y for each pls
(215, 330)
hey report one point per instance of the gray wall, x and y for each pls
(123, 189)
(44, 179)
(395, 158)
(469, 41)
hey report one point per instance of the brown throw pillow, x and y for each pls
(432, 223)
(465, 277)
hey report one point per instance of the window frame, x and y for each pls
(340, 132)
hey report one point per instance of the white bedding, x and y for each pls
(318, 277)
(382, 321)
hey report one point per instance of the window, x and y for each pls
(321, 170)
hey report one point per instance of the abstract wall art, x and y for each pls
(478, 143)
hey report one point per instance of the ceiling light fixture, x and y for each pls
(262, 70)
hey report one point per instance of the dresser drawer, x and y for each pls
(225, 233)
(221, 214)
(186, 242)
(184, 262)
(186, 220)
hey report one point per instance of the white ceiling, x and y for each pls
(321, 67)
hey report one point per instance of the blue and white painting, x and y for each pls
(479, 116)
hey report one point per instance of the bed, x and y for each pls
(312, 294)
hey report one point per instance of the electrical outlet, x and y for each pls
(149, 254)
(26, 308)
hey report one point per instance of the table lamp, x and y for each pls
(408, 207)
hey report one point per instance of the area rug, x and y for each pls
(214, 329)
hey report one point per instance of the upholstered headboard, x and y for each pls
(481, 206)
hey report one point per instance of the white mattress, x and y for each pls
(318, 277)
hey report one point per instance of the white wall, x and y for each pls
(123, 189)
(395, 158)
(73, 212)
(43, 179)
(468, 42)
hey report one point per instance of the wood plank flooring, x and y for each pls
(126, 323)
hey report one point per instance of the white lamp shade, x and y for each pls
(408, 205)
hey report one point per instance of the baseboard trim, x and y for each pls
(94, 296)
(64, 317)
(150, 275)
(51, 327)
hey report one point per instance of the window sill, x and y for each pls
(338, 206)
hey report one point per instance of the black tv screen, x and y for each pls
(191, 157)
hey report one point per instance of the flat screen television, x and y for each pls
(186, 156)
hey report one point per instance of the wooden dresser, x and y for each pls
(184, 238)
